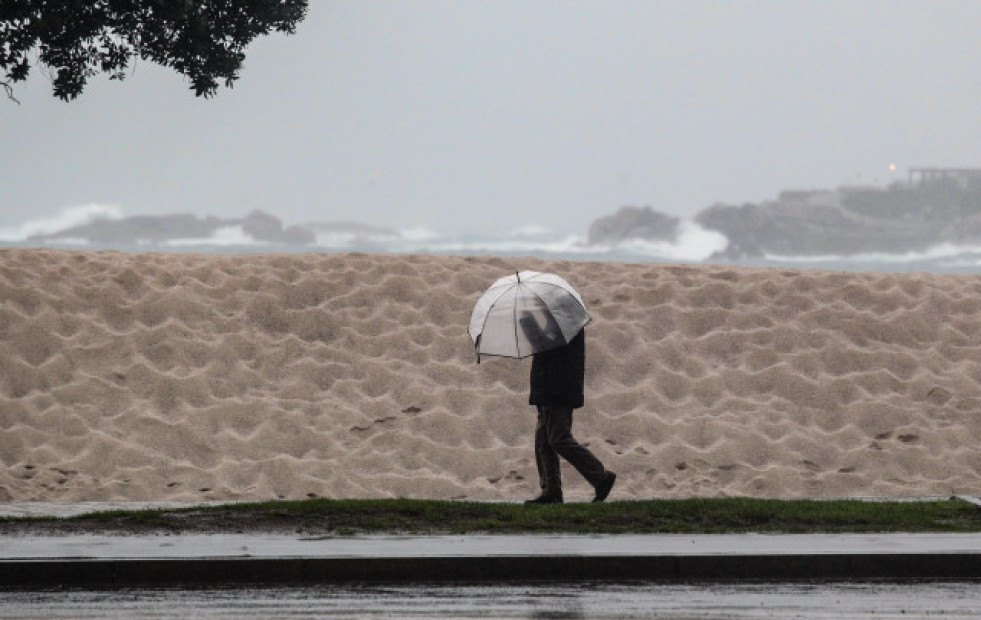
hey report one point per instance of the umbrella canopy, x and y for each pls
(526, 313)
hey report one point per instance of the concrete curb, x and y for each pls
(165, 572)
(204, 560)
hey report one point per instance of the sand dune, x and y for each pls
(186, 377)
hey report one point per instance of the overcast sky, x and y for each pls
(476, 116)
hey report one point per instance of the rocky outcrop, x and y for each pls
(848, 221)
(137, 229)
(144, 230)
(264, 227)
(162, 230)
(630, 223)
(841, 222)
(799, 229)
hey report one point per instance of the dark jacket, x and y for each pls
(557, 374)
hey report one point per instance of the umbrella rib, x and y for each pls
(514, 319)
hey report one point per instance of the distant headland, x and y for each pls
(934, 206)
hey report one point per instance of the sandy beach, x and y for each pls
(202, 377)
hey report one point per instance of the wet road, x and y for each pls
(681, 602)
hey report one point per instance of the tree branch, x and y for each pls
(10, 92)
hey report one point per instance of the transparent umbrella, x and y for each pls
(526, 313)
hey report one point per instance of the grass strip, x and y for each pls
(413, 516)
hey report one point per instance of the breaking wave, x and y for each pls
(226, 236)
(66, 218)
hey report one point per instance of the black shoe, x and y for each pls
(603, 488)
(547, 498)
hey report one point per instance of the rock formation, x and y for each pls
(150, 230)
(264, 227)
(633, 223)
(903, 218)
(849, 221)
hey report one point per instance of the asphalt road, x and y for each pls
(583, 600)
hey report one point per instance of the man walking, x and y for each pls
(556, 390)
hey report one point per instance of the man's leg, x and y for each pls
(549, 473)
(560, 439)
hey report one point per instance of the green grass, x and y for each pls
(688, 516)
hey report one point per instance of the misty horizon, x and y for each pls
(491, 116)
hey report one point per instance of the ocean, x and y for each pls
(693, 245)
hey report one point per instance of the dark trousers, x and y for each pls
(553, 438)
